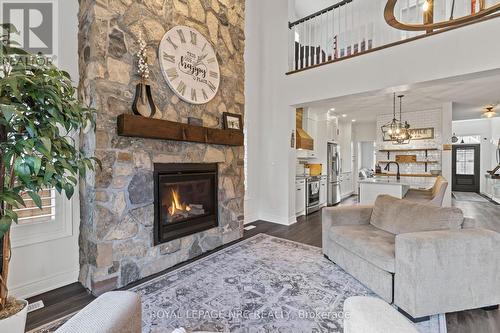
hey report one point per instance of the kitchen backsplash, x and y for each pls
(419, 119)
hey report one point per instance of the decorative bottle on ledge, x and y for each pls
(143, 102)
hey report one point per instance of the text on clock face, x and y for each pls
(192, 65)
(189, 65)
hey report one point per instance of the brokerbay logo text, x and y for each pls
(35, 22)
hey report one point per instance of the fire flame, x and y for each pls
(176, 204)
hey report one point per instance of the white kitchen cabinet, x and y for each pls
(322, 192)
(345, 143)
(346, 185)
(312, 127)
(492, 189)
(300, 197)
(332, 129)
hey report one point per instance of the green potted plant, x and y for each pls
(39, 114)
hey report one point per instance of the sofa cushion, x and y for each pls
(402, 216)
(372, 244)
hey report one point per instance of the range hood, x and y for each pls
(304, 140)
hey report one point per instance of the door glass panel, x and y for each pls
(465, 161)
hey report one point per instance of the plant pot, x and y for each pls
(17, 322)
(143, 103)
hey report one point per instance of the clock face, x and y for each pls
(189, 65)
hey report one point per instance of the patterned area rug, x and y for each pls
(262, 284)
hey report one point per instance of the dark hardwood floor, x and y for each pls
(307, 230)
(58, 303)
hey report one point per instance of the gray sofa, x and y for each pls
(426, 260)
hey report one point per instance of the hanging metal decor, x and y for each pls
(397, 131)
(428, 23)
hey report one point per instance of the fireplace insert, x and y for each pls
(186, 200)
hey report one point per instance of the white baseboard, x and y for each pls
(250, 218)
(52, 282)
(275, 219)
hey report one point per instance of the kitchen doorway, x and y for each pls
(466, 167)
(366, 155)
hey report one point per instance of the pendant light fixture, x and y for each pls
(404, 136)
(397, 131)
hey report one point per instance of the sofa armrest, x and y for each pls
(344, 215)
(447, 271)
(112, 312)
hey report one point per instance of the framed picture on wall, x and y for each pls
(232, 121)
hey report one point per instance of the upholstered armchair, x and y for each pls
(433, 196)
(426, 260)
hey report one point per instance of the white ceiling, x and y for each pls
(469, 96)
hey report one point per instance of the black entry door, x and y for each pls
(466, 168)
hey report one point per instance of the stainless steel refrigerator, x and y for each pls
(333, 166)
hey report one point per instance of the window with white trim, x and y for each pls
(32, 213)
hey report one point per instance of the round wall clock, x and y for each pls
(189, 65)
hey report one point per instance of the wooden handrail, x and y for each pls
(318, 13)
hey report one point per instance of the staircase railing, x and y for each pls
(352, 27)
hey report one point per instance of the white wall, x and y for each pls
(276, 174)
(253, 113)
(46, 265)
(362, 132)
(446, 155)
(495, 140)
(366, 154)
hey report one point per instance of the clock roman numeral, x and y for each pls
(205, 96)
(172, 73)
(193, 37)
(214, 75)
(204, 46)
(193, 95)
(181, 36)
(211, 60)
(168, 57)
(172, 43)
(211, 86)
(181, 88)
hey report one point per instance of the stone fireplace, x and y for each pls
(117, 230)
(186, 200)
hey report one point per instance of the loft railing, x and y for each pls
(353, 27)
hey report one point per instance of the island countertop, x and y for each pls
(371, 188)
(413, 182)
(385, 181)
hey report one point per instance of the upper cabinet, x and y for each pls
(332, 129)
(345, 142)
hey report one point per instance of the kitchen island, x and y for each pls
(370, 188)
